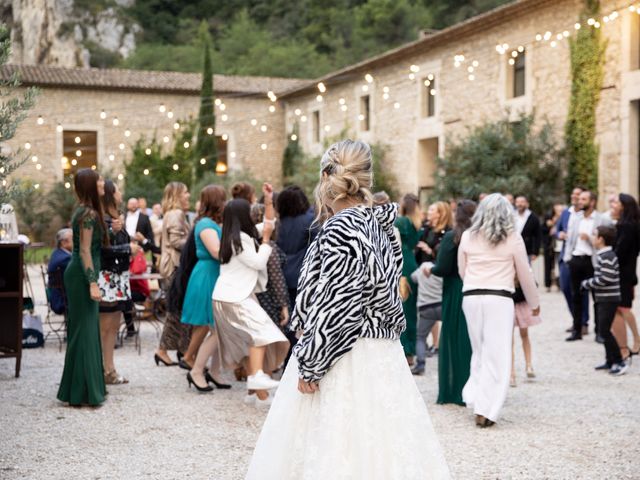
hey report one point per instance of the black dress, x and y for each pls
(627, 248)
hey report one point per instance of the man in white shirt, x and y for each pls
(578, 254)
(528, 225)
(138, 227)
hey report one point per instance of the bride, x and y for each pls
(347, 406)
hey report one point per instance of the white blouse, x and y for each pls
(245, 273)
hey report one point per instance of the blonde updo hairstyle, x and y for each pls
(346, 172)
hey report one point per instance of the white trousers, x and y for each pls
(490, 326)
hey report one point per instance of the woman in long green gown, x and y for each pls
(408, 223)
(454, 354)
(83, 377)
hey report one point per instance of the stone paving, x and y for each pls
(569, 422)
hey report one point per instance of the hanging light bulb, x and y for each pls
(322, 87)
(176, 126)
(272, 108)
(121, 146)
(225, 137)
(218, 102)
(59, 128)
(225, 117)
(77, 140)
(78, 153)
(67, 185)
(120, 176)
(38, 167)
(40, 120)
(263, 146)
(303, 118)
(176, 167)
(27, 146)
(263, 128)
(74, 162)
(185, 144)
(319, 98)
(223, 107)
(112, 157)
(254, 122)
(203, 161)
(294, 137)
(162, 108)
(146, 171)
(103, 114)
(127, 133)
(116, 122)
(209, 131)
(147, 151)
(34, 159)
(165, 139)
(369, 78)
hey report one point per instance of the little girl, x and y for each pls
(244, 328)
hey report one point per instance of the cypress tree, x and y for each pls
(206, 147)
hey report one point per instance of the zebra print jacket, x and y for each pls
(348, 288)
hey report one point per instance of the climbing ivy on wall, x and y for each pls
(587, 71)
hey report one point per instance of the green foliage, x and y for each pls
(503, 157)
(587, 72)
(61, 202)
(33, 214)
(13, 110)
(206, 143)
(283, 38)
(305, 169)
(160, 164)
(292, 154)
(100, 57)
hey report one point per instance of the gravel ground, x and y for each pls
(570, 422)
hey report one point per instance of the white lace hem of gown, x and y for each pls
(368, 421)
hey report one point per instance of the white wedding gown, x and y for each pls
(368, 421)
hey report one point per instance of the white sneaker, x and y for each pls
(619, 369)
(261, 381)
(264, 403)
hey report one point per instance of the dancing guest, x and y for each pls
(439, 222)
(528, 225)
(295, 234)
(348, 366)
(606, 288)
(83, 375)
(275, 298)
(626, 213)
(244, 190)
(175, 231)
(244, 328)
(197, 309)
(562, 228)
(409, 224)
(490, 256)
(578, 255)
(113, 281)
(60, 258)
(454, 355)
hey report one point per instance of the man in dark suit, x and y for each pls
(528, 225)
(57, 265)
(138, 226)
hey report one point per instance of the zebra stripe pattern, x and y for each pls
(348, 288)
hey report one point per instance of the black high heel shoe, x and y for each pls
(190, 381)
(210, 379)
(158, 359)
(179, 354)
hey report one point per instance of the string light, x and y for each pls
(414, 68)
(40, 120)
(78, 153)
(385, 96)
(396, 105)
(221, 168)
(74, 162)
(225, 117)
(176, 167)
(103, 114)
(297, 111)
(37, 185)
(27, 146)
(203, 161)
(343, 108)
(327, 128)
(38, 166)
(120, 176)
(185, 144)
(232, 154)
(121, 146)
(112, 157)
(162, 108)
(322, 87)
(294, 137)
(369, 78)
(145, 171)
(59, 128)
(412, 76)
(263, 128)
(34, 159)
(225, 137)
(263, 146)
(222, 107)
(147, 151)
(67, 185)
(176, 126)
(303, 118)
(217, 102)
(165, 139)
(170, 114)
(319, 98)
(272, 108)
(77, 140)
(254, 122)
(127, 133)
(209, 131)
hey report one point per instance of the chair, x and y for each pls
(59, 327)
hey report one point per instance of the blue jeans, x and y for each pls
(565, 286)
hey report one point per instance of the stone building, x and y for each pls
(413, 98)
(416, 96)
(87, 117)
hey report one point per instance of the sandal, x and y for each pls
(113, 378)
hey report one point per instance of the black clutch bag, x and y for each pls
(115, 258)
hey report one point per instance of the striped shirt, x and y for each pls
(606, 279)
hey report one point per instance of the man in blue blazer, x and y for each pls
(59, 260)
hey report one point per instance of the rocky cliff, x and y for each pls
(62, 33)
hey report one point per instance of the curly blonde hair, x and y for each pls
(346, 171)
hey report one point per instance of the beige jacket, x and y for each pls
(175, 231)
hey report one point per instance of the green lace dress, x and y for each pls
(454, 348)
(409, 237)
(83, 377)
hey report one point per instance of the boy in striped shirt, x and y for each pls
(606, 291)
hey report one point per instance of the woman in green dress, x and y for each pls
(409, 223)
(82, 379)
(454, 355)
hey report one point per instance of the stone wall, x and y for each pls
(461, 103)
(77, 109)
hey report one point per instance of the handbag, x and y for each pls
(115, 258)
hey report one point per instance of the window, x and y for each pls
(429, 96)
(221, 163)
(79, 150)
(364, 116)
(315, 125)
(518, 76)
(427, 165)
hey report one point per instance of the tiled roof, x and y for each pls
(144, 81)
